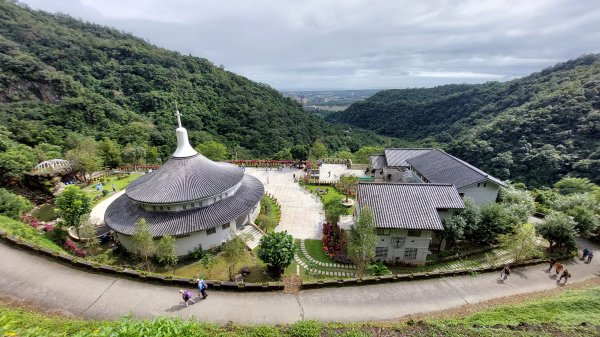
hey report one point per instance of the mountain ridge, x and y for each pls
(535, 129)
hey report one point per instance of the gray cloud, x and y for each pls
(356, 44)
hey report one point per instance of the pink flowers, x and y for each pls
(72, 247)
(31, 220)
(48, 227)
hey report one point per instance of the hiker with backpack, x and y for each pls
(187, 296)
(505, 273)
(202, 286)
(590, 256)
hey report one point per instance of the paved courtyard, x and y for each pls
(331, 172)
(301, 212)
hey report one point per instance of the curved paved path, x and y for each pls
(51, 285)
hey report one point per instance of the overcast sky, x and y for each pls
(355, 44)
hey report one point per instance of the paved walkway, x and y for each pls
(97, 213)
(55, 286)
(301, 212)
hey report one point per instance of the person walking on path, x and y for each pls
(585, 254)
(590, 256)
(187, 296)
(559, 267)
(202, 286)
(552, 263)
(505, 273)
(564, 275)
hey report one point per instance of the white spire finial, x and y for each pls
(178, 114)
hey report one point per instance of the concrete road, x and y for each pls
(51, 285)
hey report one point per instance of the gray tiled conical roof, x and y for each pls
(123, 213)
(185, 179)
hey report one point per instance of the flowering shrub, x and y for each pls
(334, 242)
(72, 247)
(48, 227)
(31, 220)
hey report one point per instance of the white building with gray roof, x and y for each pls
(190, 197)
(406, 217)
(421, 165)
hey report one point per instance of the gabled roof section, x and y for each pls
(378, 162)
(408, 206)
(439, 167)
(398, 156)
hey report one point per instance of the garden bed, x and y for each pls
(120, 181)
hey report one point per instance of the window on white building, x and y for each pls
(410, 253)
(414, 233)
(381, 253)
(225, 226)
(383, 231)
(211, 231)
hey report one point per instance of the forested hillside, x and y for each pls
(534, 129)
(61, 79)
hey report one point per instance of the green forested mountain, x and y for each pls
(60, 76)
(534, 129)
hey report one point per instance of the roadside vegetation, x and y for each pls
(270, 214)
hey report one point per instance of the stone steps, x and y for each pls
(315, 271)
(253, 236)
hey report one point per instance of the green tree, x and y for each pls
(208, 262)
(472, 215)
(84, 157)
(13, 205)
(347, 184)
(15, 161)
(73, 207)
(276, 250)
(575, 185)
(364, 153)
(88, 236)
(134, 154)
(345, 155)
(213, 150)
(559, 229)
(522, 244)
(284, 154)
(362, 240)
(165, 251)
(45, 151)
(334, 210)
(110, 152)
(233, 251)
(454, 230)
(318, 150)
(152, 155)
(143, 241)
(299, 152)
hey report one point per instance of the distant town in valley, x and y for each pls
(329, 100)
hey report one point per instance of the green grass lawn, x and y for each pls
(331, 194)
(220, 270)
(28, 233)
(564, 312)
(270, 214)
(567, 307)
(120, 184)
(315, 250)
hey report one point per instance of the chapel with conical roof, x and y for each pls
(190, 197)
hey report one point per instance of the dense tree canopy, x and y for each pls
(59, 75)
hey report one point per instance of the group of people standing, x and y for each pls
(187, 295)
(559, 270)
